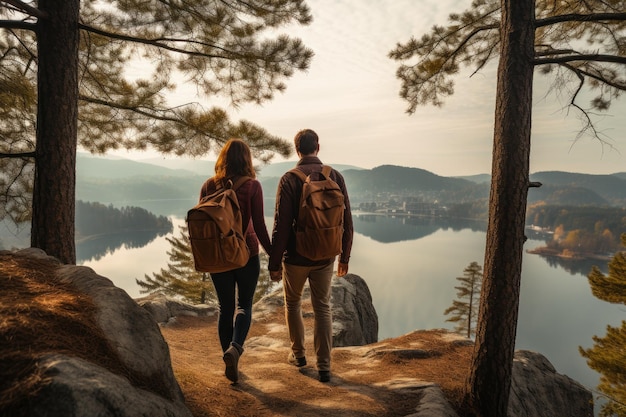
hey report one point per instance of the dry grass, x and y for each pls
(39, 316)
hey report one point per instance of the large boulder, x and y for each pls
(355, 321)
(81, 388)
(163, 309)
(73, 386)
(538, 390)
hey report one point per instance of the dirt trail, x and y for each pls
(381, 379)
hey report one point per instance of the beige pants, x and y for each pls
(294, 278)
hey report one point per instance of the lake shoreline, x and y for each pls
(569, 255)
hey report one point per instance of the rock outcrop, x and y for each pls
(163, 309)
(79, 387)
(538, 390)
(355, 321)
(76, 387)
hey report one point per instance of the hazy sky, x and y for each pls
(350, 97)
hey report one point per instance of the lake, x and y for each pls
(411, 265)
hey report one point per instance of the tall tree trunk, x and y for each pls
(492, 362)
(57, 121)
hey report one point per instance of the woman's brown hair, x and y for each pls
(235, 159)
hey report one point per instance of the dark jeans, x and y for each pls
(235, 292)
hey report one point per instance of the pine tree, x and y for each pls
(608, 355)
(67, 81)
(180, 279)
(611, 288)
(581, 43)
(466, 312)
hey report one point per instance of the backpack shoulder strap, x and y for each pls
(299, 174)
(239, 182)
(223, 185)
(326, 170)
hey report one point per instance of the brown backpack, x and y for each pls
(216, 232)
(319, 226)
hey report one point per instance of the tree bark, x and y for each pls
(57, 121)
(490, 378)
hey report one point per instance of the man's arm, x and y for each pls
(348, 228)
(283, 220)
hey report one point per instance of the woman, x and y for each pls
(235, 288)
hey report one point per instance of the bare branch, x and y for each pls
(581, 57)
(18, 155)
(596, 77)
(588, 125)
(17, 24)
(29, 10)
(574, 17)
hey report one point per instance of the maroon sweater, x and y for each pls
(250, 196)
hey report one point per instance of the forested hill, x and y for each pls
(569, 188)
(94, 218)
(400, 179)
(88, 166)
(610, 187)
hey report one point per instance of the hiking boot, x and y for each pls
(231, 359)
(299, 362)
(324, 376)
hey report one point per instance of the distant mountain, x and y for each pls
(193, 166)
(279, 168)
(621, 175)
(391, 178)
(94, 166)
(91, 166)
(566, 195)
(611, 188)
(478, 179)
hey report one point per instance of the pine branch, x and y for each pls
(135, 109)
(160, 43)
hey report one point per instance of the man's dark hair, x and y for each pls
(306, 141)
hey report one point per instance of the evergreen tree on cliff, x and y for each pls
(608, 356)
(66, 80)
(464, 313)
(523, 34)
(181, 280)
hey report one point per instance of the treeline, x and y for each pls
(580, 229)
(94, 218)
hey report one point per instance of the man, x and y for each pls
(295, 268)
